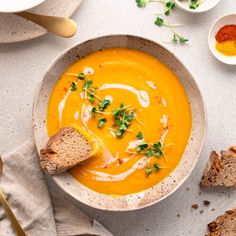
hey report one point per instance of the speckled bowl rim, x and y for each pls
(153, 201)
(196, 11)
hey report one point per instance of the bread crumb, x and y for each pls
(195, 206)
(201, 211)
(206, 203)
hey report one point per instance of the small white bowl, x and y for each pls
(217, 25)
(206, 5)
(10, 6)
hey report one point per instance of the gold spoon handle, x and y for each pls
(60, 26)
(11, 215)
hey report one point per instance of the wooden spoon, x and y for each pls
(60, 26)
(8, 210)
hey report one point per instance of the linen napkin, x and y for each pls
(39, 205)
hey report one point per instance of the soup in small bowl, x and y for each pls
(142, 105)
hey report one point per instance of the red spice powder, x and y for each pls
(228, 32)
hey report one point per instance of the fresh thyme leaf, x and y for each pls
(170, 4)
(81, 76)
(91, 98)
(141, 146)
(142, 3)
(103, 104)
(87, 84)
(101, 122)
(156, 167)
(119, 133)
(90, 91)
(117, 112)
(158, 153)
(93, 111)
(182, 40)
(157, 145)
(174, 39)
(73, 86)
(122, 119)
(159, 21)
(178, 39)
(194, 4)
(149, 152)
(129, 117)
(148, 171)
(157, 150)
(139, 135)
(123, 127)
(168, 7)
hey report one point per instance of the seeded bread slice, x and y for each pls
(64, 150)
(221, 169)
(224, 225)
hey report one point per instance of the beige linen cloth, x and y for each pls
(39, 205)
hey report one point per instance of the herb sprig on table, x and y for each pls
(160, 22)
(168, 6)
(177, 38)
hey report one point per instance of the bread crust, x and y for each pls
(221, 169)
(57, 158)
(224, 225)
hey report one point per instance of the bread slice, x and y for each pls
(224, 225)
(221, 169)
(64, 150)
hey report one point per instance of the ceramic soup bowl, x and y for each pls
(189, 159)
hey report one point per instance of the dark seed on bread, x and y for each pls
(195, 206)
(221, 169)
(224, 225)
(64, 150)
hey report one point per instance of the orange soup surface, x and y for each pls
(143, 127)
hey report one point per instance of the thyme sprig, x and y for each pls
(150, 150)
(168, 5)
(122, 119)
(194, 4)
(176, 38)
(102, 106)
(160, 22)
(80, 76)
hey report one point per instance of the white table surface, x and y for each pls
(22, 66)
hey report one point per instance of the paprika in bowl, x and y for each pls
(222, 39)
